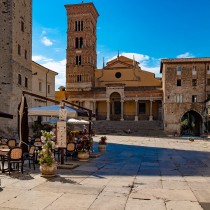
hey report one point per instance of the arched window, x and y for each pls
(81, 42)
(77, 43)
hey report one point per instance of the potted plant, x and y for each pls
(83, 148)
(48, 165)
(102, 144)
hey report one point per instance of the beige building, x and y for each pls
(186, 87)
(119, 91)
(15, 58)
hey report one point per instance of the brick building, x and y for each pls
(119, 91)
(186, 88)
(15, 57)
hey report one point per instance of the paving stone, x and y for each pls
(185, 205)
(175, 185)
(141, 204)
(32, 200)
(71, 201)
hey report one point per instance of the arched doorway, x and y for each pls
(115, 106)
(191, 123)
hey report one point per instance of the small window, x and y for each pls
(142, 108)
(40, 86)
(19, 79)
(81, 42)
(26, 82)
(208, 97)
(118, 75)
(208, 81)
(79, 78)
(22, 26)
(179, 82)
(19, 50)
(194, 68)
(194, 98)
(194, 82)
(208, 67)
(178, 98)
(48, 89)
(77, 43)
(81, 25)
(179, 68)
(26, 54)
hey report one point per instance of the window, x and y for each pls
(194, 98)
(19, 50)
(194, 82)
(78, 25)
(25, 54)
(194, 68)
(79, 78)
(208, 97)
(118, 75)
(77, 43)
(48, 89)
(40, 86)
(26, 82)
(19, 79)
(81, 25)
(142, 108)
(178, 98)
(78, 60)
(81, 42)
(208, 67)
(179, 82)
(178, 69)
(208, 81)
(22, 26)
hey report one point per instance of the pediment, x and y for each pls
(118, 64)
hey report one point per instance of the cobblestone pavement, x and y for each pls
(135, 173)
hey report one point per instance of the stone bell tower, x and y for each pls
(15, 58)
(81, 47)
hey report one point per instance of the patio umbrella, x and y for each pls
(78, 122)
(51, 111)
(23, 124)
(6, 115)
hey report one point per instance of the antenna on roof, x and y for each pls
(118, 55)
(82, 2)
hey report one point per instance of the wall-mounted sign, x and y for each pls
(61, 134)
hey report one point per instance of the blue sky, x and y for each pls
(149, 30)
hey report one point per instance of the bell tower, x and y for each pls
(81, 47)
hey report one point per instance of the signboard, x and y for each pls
(62, 114)
(61, 134)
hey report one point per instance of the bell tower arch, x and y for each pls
(81, 47)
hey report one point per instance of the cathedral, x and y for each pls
(121, 90)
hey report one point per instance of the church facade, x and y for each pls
(121, 90)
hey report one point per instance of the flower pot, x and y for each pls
(48, 171)
(83, 156)
(101, 147)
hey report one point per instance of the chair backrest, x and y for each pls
(70, 147)
(31, 150)
(11, 143)
(37, 143)
(15, 153)
(37, 139)
(4, 146)
(4, 141)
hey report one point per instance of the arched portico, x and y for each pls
(191, 123)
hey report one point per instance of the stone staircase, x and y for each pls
(139, 128)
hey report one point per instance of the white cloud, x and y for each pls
(40, 58)
(47, 42)
(60, 68)
(185, 55)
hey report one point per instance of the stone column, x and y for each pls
(136, 114)
(108, 110)
(151, 116)
(122, 110)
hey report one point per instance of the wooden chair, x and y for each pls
(11, 143)
(15, 156)
(30, 156)
(71, 150)
(4, 141)
(3, 155)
